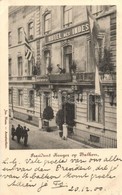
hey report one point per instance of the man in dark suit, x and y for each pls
(18, 133)
(13, 132)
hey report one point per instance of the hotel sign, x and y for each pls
(68, 33)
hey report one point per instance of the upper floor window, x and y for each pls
(10, 66)
(10, 96)
(20, 66)
(47, 23)
(10, 38)
(29, 68)
(67, 16)
(30, 31)
(96, 9)
(95, 109)
(20, 35)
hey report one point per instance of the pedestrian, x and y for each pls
(18, 133)
(22, 132)
(13, 132)
(25, 130)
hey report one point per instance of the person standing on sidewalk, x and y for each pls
(13, 132)
(25, 133)
(18, 133)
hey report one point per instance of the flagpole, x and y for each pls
(94, 30)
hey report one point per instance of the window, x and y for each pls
(67, 58)
(96, 9)
(47, 23)
(29, 68)
(20, 68)
(47, 60)
(20, 97)
(10, 96)
(10, 38)
(95, 109)
(31, 98)
(20, 35)
(10, 67)
(30, 31)
(67, 16)
(46, 99)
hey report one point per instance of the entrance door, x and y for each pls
(69, 114)
(67, 58)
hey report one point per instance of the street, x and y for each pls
(39, 139)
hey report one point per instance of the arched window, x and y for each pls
(31, 98)
(47, 23)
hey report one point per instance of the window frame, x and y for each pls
(98, 9)
(65, 53)
(30, 30)
(20, 71)
(10, 96)
(67, 11)
(48, 21)
(31, 103)
(10, 38)
(10, 67)
(97, 108)
(20, 35)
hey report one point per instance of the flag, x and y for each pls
(94, 31)
(28, 49)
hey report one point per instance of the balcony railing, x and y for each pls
(108, 77)
(85, 76)
(20, 78)
(60, 78)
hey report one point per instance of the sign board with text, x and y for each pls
(68, 33)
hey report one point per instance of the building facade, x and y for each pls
(64, 76)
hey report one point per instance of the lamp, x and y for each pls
(79, 97)
(50, 86)
(55, 96)
(74, 87)
(34, 86)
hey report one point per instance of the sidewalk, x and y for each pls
(39, 139)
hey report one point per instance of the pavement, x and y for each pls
(40, 139)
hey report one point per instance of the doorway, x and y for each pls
(67, 58)
(68, 108)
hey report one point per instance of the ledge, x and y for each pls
(97, 125)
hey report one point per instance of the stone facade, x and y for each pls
(57, 42)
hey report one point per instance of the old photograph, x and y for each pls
(62, 77)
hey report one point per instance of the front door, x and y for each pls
(69, 114)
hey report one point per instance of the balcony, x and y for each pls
(108, 77)
(60, 78)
